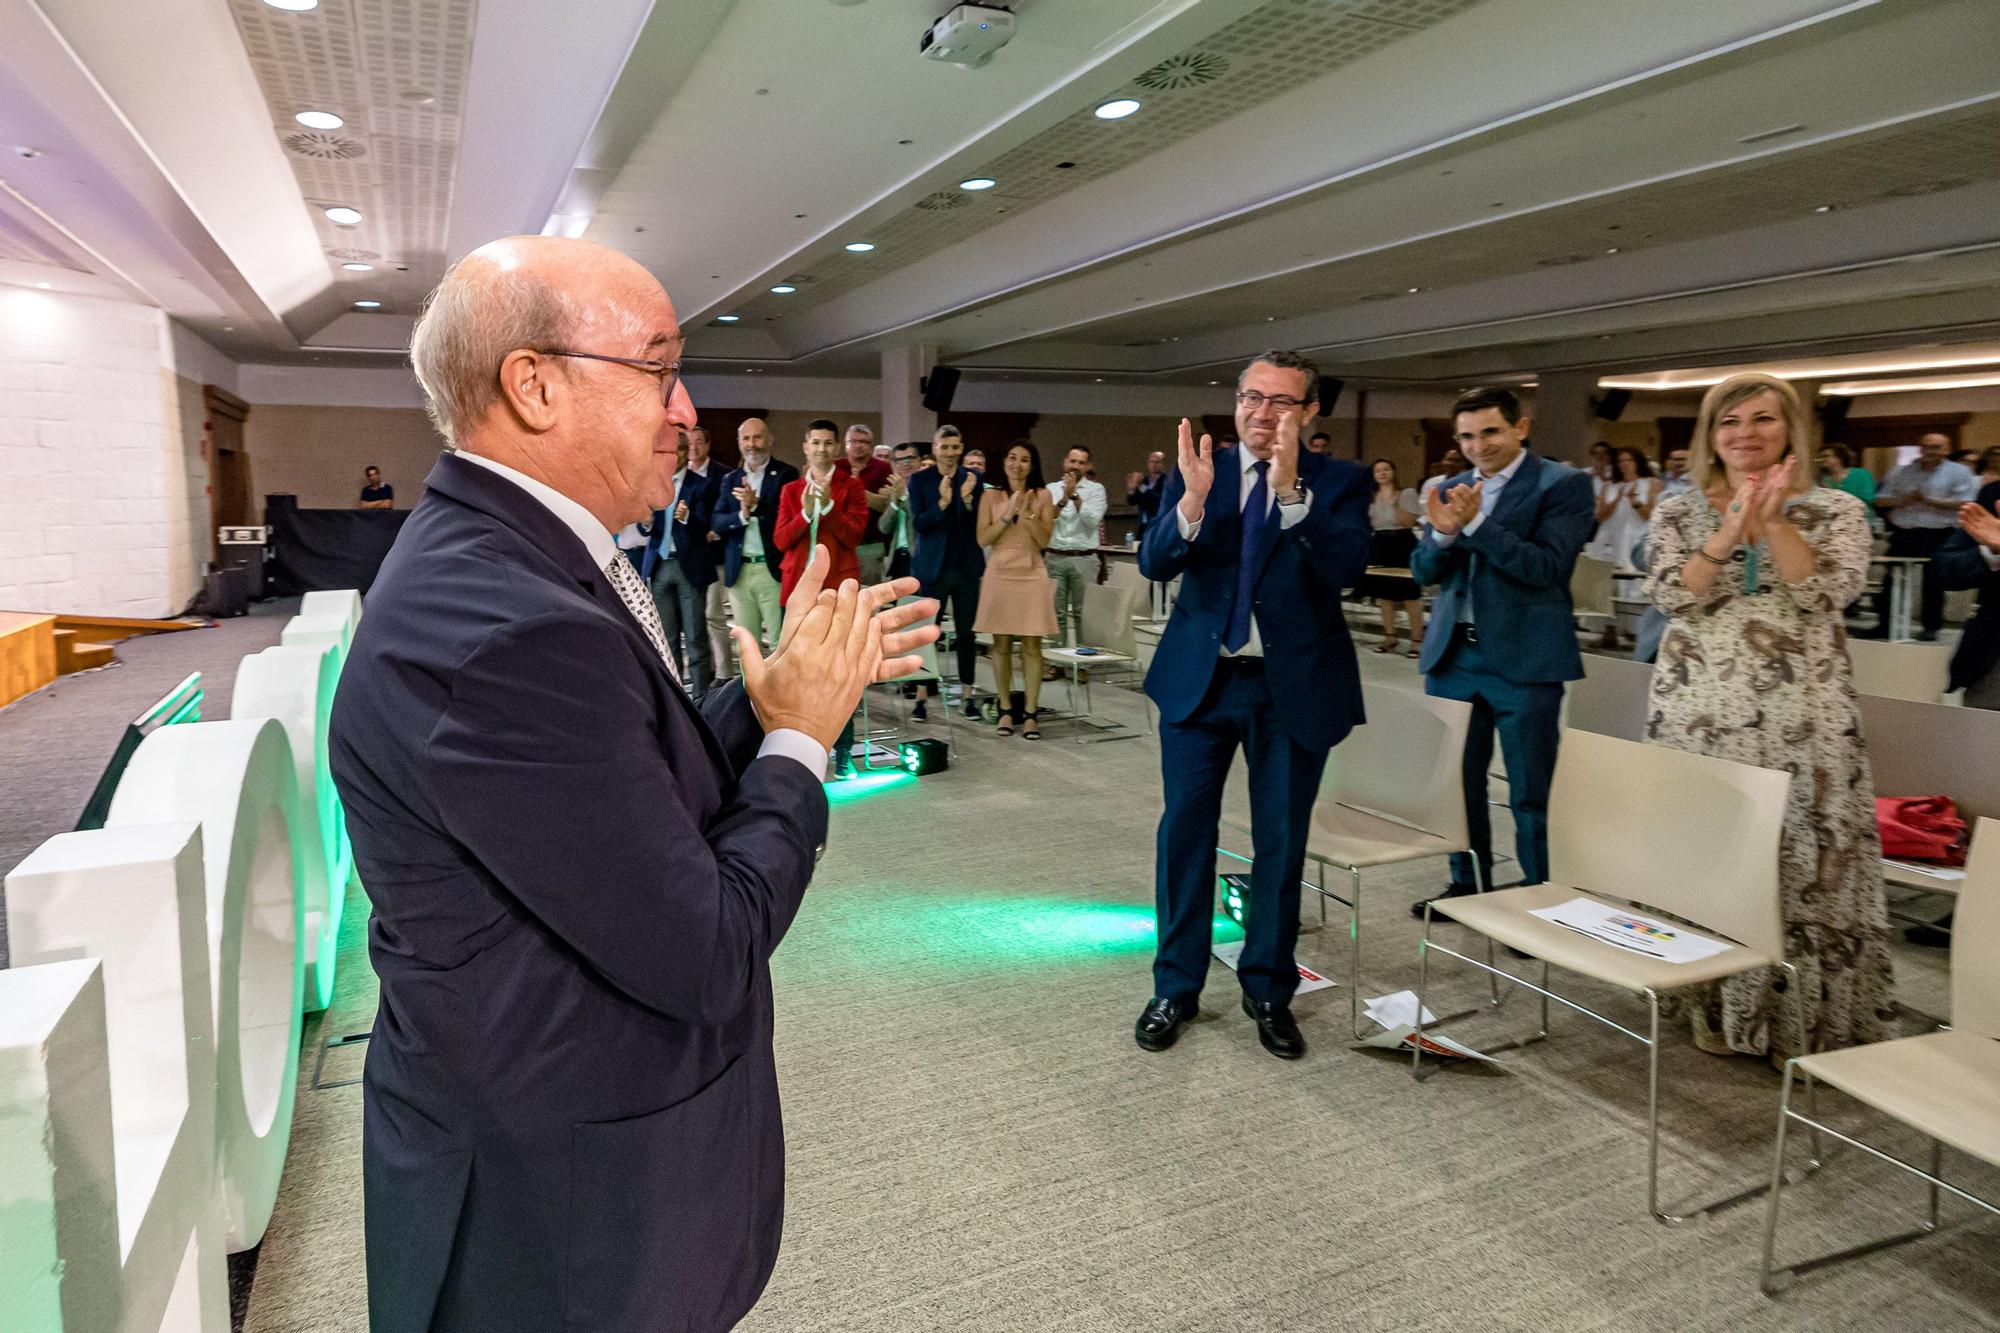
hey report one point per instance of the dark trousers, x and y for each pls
(1923, 543)
(1528, 718)
(899, 564)
(962, 591)
(1195, 756)
(684, 616)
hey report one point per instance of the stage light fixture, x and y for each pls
(924, 757)
(1234, 889)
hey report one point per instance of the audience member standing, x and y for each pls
(376, 493)
(1448, 465)
(1971, 559)
(1016, 600)
(1624, 506)
(679, 567)
(1144, 491)
(1264, 536)
(745, 513)
(1836, 469)
(873, 472)
(975, 461)
(1674, 474)
(1320, 443)
(825, 506)
(1921, 500)
(1753, 570)
(1392, 519)
(944, 507)
(1989, 466)
(1502, 541)
(893, 525)
(715, 600)
(1080, 504)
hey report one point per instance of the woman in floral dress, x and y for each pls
(1753, 567)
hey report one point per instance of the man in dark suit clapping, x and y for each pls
(579, 874)
(1263, 537)
(745, 517)
(1501, 542)
(944, 509)
(679, 566)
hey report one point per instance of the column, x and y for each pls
(903, 414)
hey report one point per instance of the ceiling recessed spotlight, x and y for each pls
(1215, 381)
(1100, 379)
(1824, 208)
(367, 305)
(784, 289)
(1412, 291)
(229, 328)
(1610, 249)
(860, 247)
(345, 217)
(977, 183)
(359, 268)
(1270, 319)
(319, 120)
(1117, 108)
(293, 6)
(727, 319)
(42, 286)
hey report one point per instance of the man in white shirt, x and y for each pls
(1676, 469)
(1072, 556)
(1921, 500)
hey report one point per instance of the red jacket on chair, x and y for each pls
(840, 529)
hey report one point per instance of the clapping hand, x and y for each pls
(1980, 524)
(746, 498)
(1764, 508)
(1197, 466)
(1285, 450)
(1451, 513)
(965, 485)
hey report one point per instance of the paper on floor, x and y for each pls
(1396, 1011)
(1309, 980)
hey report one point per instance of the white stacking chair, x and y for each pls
(1707, 854)
(1392, 793)
(871, 737)
(1108, 629)
(1944, 1084)
(1917, 672)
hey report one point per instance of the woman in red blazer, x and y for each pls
(839, 500)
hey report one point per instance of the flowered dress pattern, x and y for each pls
(1762, 677)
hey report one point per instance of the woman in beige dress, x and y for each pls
(1017, 600)
(1753, 567)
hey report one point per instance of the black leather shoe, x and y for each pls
(1160, 1024)
(1276, 1029)
(1453, 890)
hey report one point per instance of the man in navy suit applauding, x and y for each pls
(570, 1116)
(1263, 536)
(1501, 541)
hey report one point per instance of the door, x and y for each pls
(228, 464)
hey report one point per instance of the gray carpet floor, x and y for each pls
(975, 1142)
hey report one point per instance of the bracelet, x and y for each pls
(1702, 551)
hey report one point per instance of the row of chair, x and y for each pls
(1707, 854)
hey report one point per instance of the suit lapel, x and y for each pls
(1513, 503)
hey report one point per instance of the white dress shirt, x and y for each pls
(602, 549)
(753, 534)
(1288, 515)
(1076, 525)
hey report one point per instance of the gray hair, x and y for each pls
(865, 430)
(1285, 360)
(469, 325)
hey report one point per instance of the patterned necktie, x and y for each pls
(632, 591)
(1246, 560)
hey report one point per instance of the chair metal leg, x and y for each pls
(1423, 980)
(1353, 950)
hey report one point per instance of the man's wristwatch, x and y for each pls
(1296, 495)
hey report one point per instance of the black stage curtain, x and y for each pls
(315, 549)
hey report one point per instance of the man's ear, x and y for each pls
(530, 389)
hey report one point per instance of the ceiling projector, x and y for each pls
(967, 35)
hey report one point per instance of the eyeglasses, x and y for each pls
(669, 374)
(1255, 401)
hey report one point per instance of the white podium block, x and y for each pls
(328, 630)
(342, 602)
(237, 780)
(58, 1219)
(295, 685)
(134, 898)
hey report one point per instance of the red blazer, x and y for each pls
(840, 529)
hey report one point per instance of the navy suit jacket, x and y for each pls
(1308, 655)
(691, 544)
(1962, 566)
(1517, 569)
(947, 535)
(578, 876)
(726, 517)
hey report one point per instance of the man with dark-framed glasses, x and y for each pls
(1264, 536)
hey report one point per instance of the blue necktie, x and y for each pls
(1246, 561)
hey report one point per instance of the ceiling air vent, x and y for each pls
(1558, 261)
(354, 256)
(1189, 69)
(325, 147)
(942, 200)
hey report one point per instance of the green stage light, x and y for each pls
(925, 756)
(1235, 890)
(865, 784)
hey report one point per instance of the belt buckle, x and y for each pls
(1470, 631)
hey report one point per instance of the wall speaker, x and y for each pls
(1611, 405)
(1329, 393)
(939, 386)
(1833, 411)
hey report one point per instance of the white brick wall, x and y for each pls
(94, 488)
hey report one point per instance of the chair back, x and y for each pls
(1933, 749)
(1107, 617)
(1404, 763)
(1123, 574)
(1690, 835)
(1917, 672)
(1975, 937)
(1611, 699)
(1590, 586)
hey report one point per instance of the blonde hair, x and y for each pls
(1703, 470)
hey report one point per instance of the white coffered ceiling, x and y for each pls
(1419, 191)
